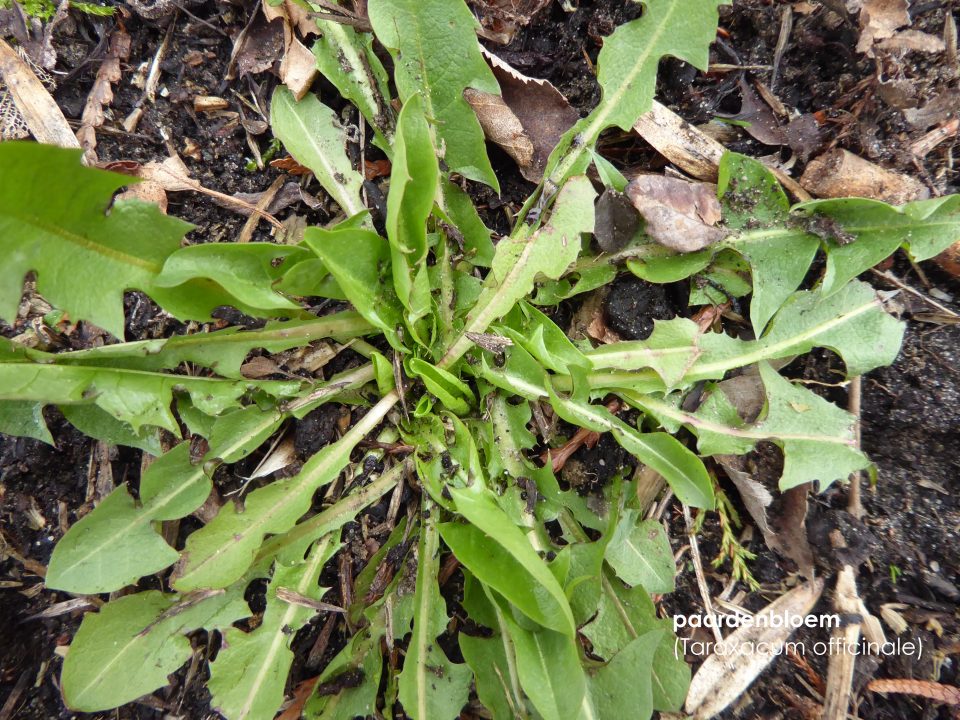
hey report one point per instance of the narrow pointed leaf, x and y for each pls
(313, 135)
(431, 687)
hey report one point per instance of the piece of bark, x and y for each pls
(39, 110)
(693, 151)
(725, 676)
(840, 173)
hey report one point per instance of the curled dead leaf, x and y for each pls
(679, 214)
(533, 111)
(500, 125)
(880, 19)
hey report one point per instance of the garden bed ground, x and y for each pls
(909, 542)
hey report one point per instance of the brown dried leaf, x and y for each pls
(101, 94)
(938, 692)
(880, 19)
(763, 124)
(298, 69)
(679, 215)
(542, 111)
(146, 191)
(938, 110)
(257, 48)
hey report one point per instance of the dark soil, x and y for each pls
(907, 548)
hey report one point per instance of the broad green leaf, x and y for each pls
(359, 259)
(413, 187)
(618, 690)
(462, 215)
(313, 135)
(627, 72)
(492, 659)
(860, 233)
(247, 271)
(97, 423)
(521, 258)
(347, 59)
(549, 670)
(129, 647)
(132, 396)
(664, 453)
(431, 687)
(222, 350)
(436, 54)
(623, 615)
(501, 562)
(220, 553)
(851, 322)
(749, 193)
(24, 419)
(249, 675)
(543, 339)
(53, 221)
(640, 554)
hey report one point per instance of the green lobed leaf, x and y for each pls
(436, 54)
(134, 397)
(249, 675)
(627, 71)
(359, 259)
(549, 670)
(312, 134)
(23, 418)
(671, 350)
(492, 658)
(129, 647)
(54, 221)
(247, 271)
(221, 350)
(617, 689)
(623, 615)
(454, 394)
(117, 543)
(816, 436)
(220, 553)
(347, 59)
